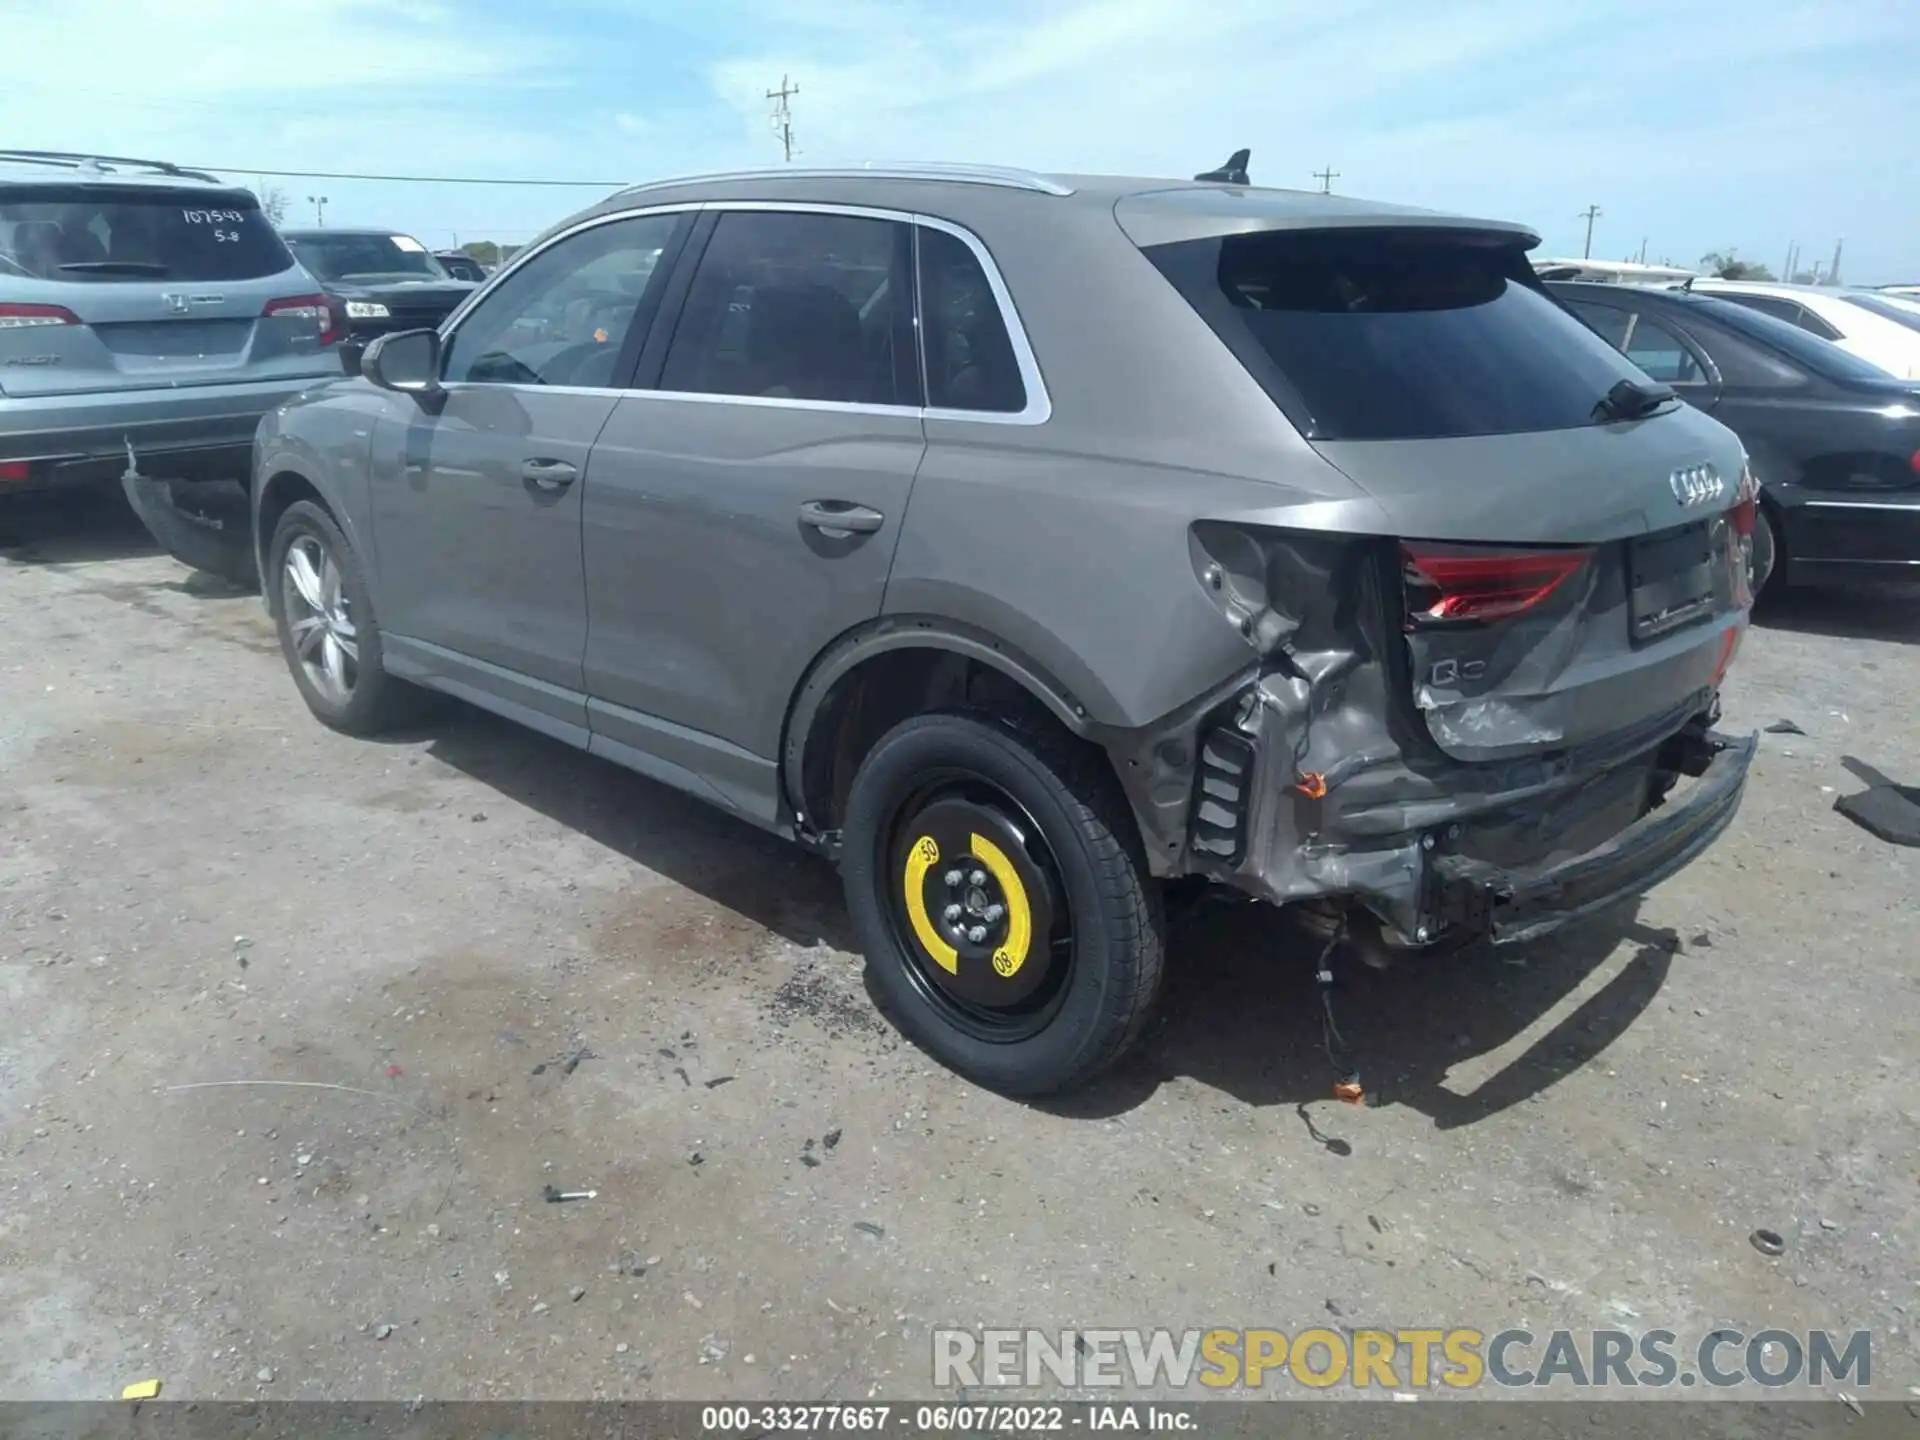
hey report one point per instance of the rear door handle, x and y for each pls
(550, 475)
(840, 518)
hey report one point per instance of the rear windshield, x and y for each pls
(1820, 356)
(1887, 309)
(1397, 335)
(107, 234)
(366, 257)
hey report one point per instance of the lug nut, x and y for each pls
(953, 914)
(993, 913)
(977, 934)
(977, 879)
(953, 879)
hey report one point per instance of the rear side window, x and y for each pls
(971, 364)
(799, 306)
(104, 234)
(1610, 324)
(1396, 335)
(1795, 343)
(1662, 354)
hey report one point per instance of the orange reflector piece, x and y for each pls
(1313, 786)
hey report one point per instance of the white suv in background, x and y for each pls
(1878, 329)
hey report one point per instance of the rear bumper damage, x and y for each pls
(1316, 777)
(1505, 853)
(1510, 905)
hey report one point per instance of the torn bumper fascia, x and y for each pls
(1438, 850)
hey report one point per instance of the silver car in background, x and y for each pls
(1026, 542)
(149, 316)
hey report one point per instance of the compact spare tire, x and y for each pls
(998, 889)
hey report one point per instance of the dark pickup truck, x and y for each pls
(378, 280)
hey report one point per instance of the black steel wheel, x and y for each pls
(998, 888)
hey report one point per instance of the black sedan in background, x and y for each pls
(378, 280)
(1834, 441)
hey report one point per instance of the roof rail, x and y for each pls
(1002, 175)
(72, 161)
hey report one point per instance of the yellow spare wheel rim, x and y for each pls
(976, 895)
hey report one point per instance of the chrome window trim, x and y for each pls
(1039, 406)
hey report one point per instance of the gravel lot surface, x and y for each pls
(297, 1028)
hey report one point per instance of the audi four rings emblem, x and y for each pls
(1696, 484)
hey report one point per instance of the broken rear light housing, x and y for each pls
(1476, 584)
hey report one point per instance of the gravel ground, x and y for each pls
(297, 1028)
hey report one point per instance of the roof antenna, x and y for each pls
(1234, 172)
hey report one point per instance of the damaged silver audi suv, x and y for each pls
(1024, 543)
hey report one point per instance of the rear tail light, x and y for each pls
(1915, 462)
(13, 469)
(306, 307)
(1461, 584)
(24, 317)
(1746, 503)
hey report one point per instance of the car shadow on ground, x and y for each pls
(1854, 613)
(71, 527)
(1239, 1011)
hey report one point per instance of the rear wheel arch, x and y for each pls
(870, 679)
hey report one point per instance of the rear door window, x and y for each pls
(799, 306)
(105, 234)
(1396, 334)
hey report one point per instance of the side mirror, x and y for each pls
(407, 363)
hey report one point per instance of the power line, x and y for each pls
(1326, 178)
(410, 179)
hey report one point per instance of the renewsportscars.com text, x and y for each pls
(1410, 1359)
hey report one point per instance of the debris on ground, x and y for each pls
(812, 1162)
(718, 1081)
(572, 1062)
(1852, 1404)
(1784, 727)
(712, 1348)
(696, 1159)
(553, 1194)
(381, 1332)
(1886, 812)
(577, 1294)
(141, 1390)
(1767, 1242)
(264, 1375)
(685, 1079)
(867, 1227)
(830, 1139)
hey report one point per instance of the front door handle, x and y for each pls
(549, 475)
(840, 518)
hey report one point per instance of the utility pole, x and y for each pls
(1833, 275)
(319, 203)
(1643, 249)
(1590, 214)
(783, 115)
(1326, 178)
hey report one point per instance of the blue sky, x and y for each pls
(1695, 127)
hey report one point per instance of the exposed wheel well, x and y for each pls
(880, 692)
(281, 493)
